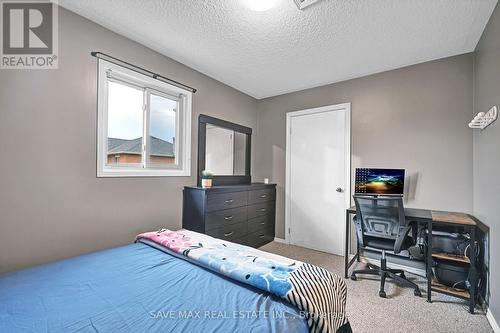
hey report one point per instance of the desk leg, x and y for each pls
(357, 253)
(429, 261)
(346, 252)
(472, 273)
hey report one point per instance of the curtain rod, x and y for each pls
(138, 69)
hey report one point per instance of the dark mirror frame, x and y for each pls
(220, 180)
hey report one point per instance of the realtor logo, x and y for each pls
(29, 35)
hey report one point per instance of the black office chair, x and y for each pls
(381, 225)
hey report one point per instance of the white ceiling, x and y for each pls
(284, 49)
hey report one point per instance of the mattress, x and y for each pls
(137, 288)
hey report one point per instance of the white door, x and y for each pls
(219, 150)
(318, 172)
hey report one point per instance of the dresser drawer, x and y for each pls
(241, 240)
(218, 201)
(257, 239)
(265, 208)
(220, 218)
(264, 223)
(232, 233)
(258, 196)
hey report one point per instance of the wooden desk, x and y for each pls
(427, 218)
(452, 218)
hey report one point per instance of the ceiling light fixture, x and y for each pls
(259, 5)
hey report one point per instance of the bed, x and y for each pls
(137, 288)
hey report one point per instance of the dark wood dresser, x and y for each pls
(242, 214)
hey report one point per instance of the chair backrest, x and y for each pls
(381, 217)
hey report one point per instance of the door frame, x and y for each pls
(347, 185)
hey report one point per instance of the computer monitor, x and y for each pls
(380, 181)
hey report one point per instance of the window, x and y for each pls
(144, 125)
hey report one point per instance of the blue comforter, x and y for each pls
(136, 288)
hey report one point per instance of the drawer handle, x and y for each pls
(262, 209)
(228, 218)
(262, 236)
(262, 223)
(228, 234)
(263, 196)
(229, 200)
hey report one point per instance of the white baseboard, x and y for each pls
(280, 240)
(492, 321)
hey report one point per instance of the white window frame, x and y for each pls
(151, 85)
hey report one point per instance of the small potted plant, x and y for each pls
(206, 179)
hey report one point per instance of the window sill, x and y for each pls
(115, 173)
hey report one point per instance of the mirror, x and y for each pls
(224, 151)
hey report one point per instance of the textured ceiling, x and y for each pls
(285, 49)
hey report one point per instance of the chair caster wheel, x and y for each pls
(417, 293)
(382, 294)
(353, 277)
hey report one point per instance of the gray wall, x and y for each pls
(51, 204)
(414, 118)
(487, 148)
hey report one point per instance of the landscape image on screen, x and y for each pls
(380, 181)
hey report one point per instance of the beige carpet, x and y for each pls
(401, 311)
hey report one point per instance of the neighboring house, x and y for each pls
(122, 151)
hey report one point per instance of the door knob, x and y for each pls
(339, 190)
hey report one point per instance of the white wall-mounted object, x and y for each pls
(304, 3)
(483, 120)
